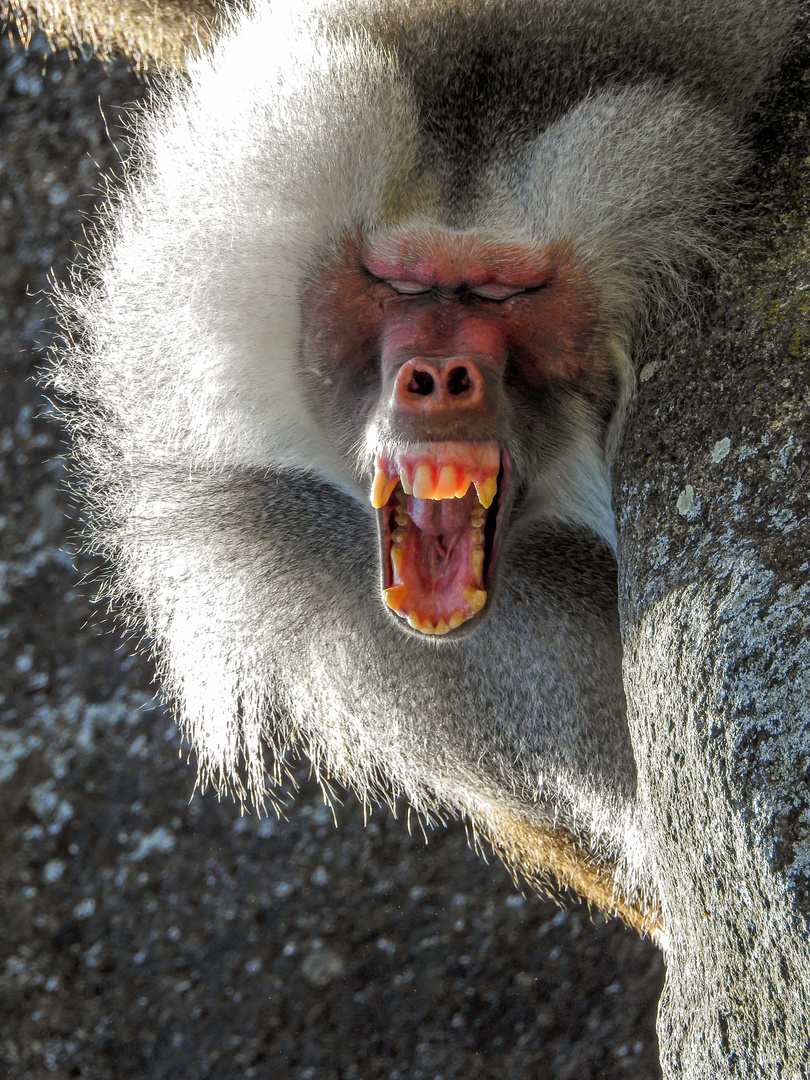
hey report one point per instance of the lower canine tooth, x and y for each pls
(396, 596)
(487, 491)
(475, 598)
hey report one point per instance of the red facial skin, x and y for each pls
(455, 342)
(357, 323)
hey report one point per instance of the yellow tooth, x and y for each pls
(396, 596)
(377, 490)
(477, 538)
(423, 482)
(478, 517)
(403, 479)
(401, 517)
(441, 627)
(398, 535)
(464, 485)
(415, 622)
(397, 558)
(487, 491)
(381, 489)
(475, 598)
(456, 619)
(446, 484)
(478, 565)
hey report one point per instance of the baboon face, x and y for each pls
(450, 370)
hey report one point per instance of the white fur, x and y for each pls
(182, 344)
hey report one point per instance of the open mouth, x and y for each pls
(440, 506)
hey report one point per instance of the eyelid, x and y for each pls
(495, 291)
(409, 288)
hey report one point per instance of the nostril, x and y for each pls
(421, 383)
(458, 381)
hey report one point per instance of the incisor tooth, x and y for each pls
(463, 486)
(423, 482)
(396, 596)
(456, 619)
(475, 598)
(381, 489)
(441, 627)
(403, 479)
(446, 484)
(486, 491)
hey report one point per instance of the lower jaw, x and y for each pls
(438, 625)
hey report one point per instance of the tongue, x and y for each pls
(441, 517)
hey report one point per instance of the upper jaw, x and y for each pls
(440, 509)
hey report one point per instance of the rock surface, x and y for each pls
(714, 539)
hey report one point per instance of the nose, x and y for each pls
(433, 386)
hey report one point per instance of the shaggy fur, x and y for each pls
(241, 540)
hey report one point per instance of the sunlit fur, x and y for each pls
(242, 543)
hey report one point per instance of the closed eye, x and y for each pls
(410, 288)
(494, 291)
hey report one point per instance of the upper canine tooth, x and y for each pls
(446, 484)
(381, 488)
(487, 491)
(423, 487)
